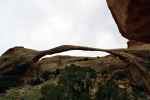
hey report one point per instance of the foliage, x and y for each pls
(76, 83)
(26, 93)
(53, 92)
(110, 91)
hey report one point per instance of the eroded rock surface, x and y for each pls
(17, 63)
(20, 62)
(132, 18)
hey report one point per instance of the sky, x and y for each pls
(44, 24)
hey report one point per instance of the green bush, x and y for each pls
(74, 84)
(77, 83)
(52, 92)
(110, 91)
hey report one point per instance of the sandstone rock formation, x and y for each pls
(23, 64)
(133, 21)
(132, 18)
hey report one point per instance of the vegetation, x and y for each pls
(77, 83)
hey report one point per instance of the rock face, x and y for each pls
(132, 18)
(15, 62)
(19, 64)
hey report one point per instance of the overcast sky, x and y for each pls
(43, 24)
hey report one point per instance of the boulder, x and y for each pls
(132, 18)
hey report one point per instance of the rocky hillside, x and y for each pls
(26, 74)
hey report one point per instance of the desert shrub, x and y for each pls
(24, 93)
(52, 92)
(109, 91)
(77, 83)
(7, 82)
(74, 84)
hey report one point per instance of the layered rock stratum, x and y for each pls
(132, 18)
